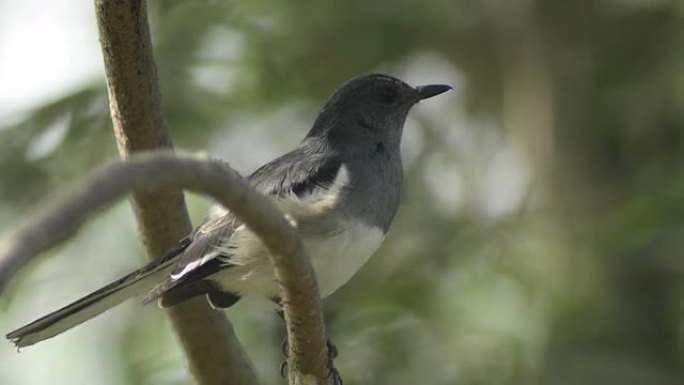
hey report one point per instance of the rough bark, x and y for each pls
(213, 354)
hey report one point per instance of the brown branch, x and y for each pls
(214, 355)
(295, 275)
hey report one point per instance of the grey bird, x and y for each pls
(340, 186)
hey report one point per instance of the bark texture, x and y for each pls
(213, 354)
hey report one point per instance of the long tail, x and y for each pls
(133, 284)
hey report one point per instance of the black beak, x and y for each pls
(430, 90)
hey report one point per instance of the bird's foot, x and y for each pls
(332, 354)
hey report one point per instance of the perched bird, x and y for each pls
(341, 186)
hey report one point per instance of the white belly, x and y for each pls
(335, 258)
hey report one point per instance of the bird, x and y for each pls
(340, 186)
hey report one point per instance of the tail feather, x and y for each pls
(133, 284)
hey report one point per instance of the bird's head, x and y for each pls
(370, 108)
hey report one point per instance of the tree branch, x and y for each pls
(214, 355)
(301, 300)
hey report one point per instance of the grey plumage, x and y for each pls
(341, 186)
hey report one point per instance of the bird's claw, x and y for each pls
(285, 348)
(283, 369)
(332, 350)
(332, 370)
(332, 354)
(335, 374)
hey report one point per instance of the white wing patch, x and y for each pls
(332, 193)
(195, 264)
(320, 201)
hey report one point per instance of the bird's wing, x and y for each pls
(294, 175)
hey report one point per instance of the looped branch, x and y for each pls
(301, 300)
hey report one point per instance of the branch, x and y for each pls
(301, 300)
(213, 353)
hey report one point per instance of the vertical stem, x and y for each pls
(214, 356)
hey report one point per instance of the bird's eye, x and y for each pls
(388, 94)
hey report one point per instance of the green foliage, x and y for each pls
(563, 269)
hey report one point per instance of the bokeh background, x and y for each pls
(541, 232)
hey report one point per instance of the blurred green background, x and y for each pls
(541, 231)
